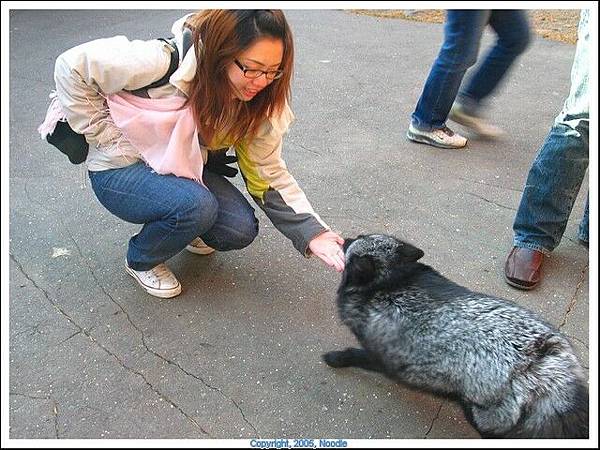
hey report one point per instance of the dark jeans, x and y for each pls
(462, 35)
(174, 211)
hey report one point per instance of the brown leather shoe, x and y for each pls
(522, 268)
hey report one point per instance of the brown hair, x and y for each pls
(219, 37)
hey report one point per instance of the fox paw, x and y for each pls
(336, 358)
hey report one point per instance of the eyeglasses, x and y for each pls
(255, 73)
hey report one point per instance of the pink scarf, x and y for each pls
(164, 135)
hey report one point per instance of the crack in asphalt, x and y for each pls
(153, 352)
(490, 201)
(573, 300)
(85, 332)
(437, 414)
(308, 149)
(206, 384)
(72, 336)
(32, 329)
(489, 184)
(32, 397)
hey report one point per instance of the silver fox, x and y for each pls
(515, 375)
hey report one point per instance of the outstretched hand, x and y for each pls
(328, 247)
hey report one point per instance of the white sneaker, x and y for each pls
(477, 124)
(441, 137)
(158, 281)
(198, 247)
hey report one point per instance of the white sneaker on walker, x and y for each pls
(158, 281)
(440, 137)
(459, 115)
(198, 247)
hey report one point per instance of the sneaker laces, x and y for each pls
(160, 272)
(446, 131)
(197, 242)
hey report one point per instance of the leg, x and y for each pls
(551, 188)
(497, 420)
(353, 357)
(513, 33)
(462, 34)
(584, 232)
(173, 210)
(236, 225)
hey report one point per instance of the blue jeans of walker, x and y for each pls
(552, 186)
(174, 211)
(462, 35)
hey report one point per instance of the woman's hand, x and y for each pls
(328, 247)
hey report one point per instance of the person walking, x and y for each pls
(555, 178)
(441, 99)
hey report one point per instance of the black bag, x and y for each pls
(69, 142)
(74, 144)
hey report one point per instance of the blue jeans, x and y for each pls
(559, 168)
(552, 186)
(174, 211)
(462, 36)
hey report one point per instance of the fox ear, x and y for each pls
(360, 270)
(410, 253)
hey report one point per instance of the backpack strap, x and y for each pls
(174, 64)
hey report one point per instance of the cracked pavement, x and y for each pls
(237, 355)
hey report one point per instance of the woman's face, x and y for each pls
(266, 55)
